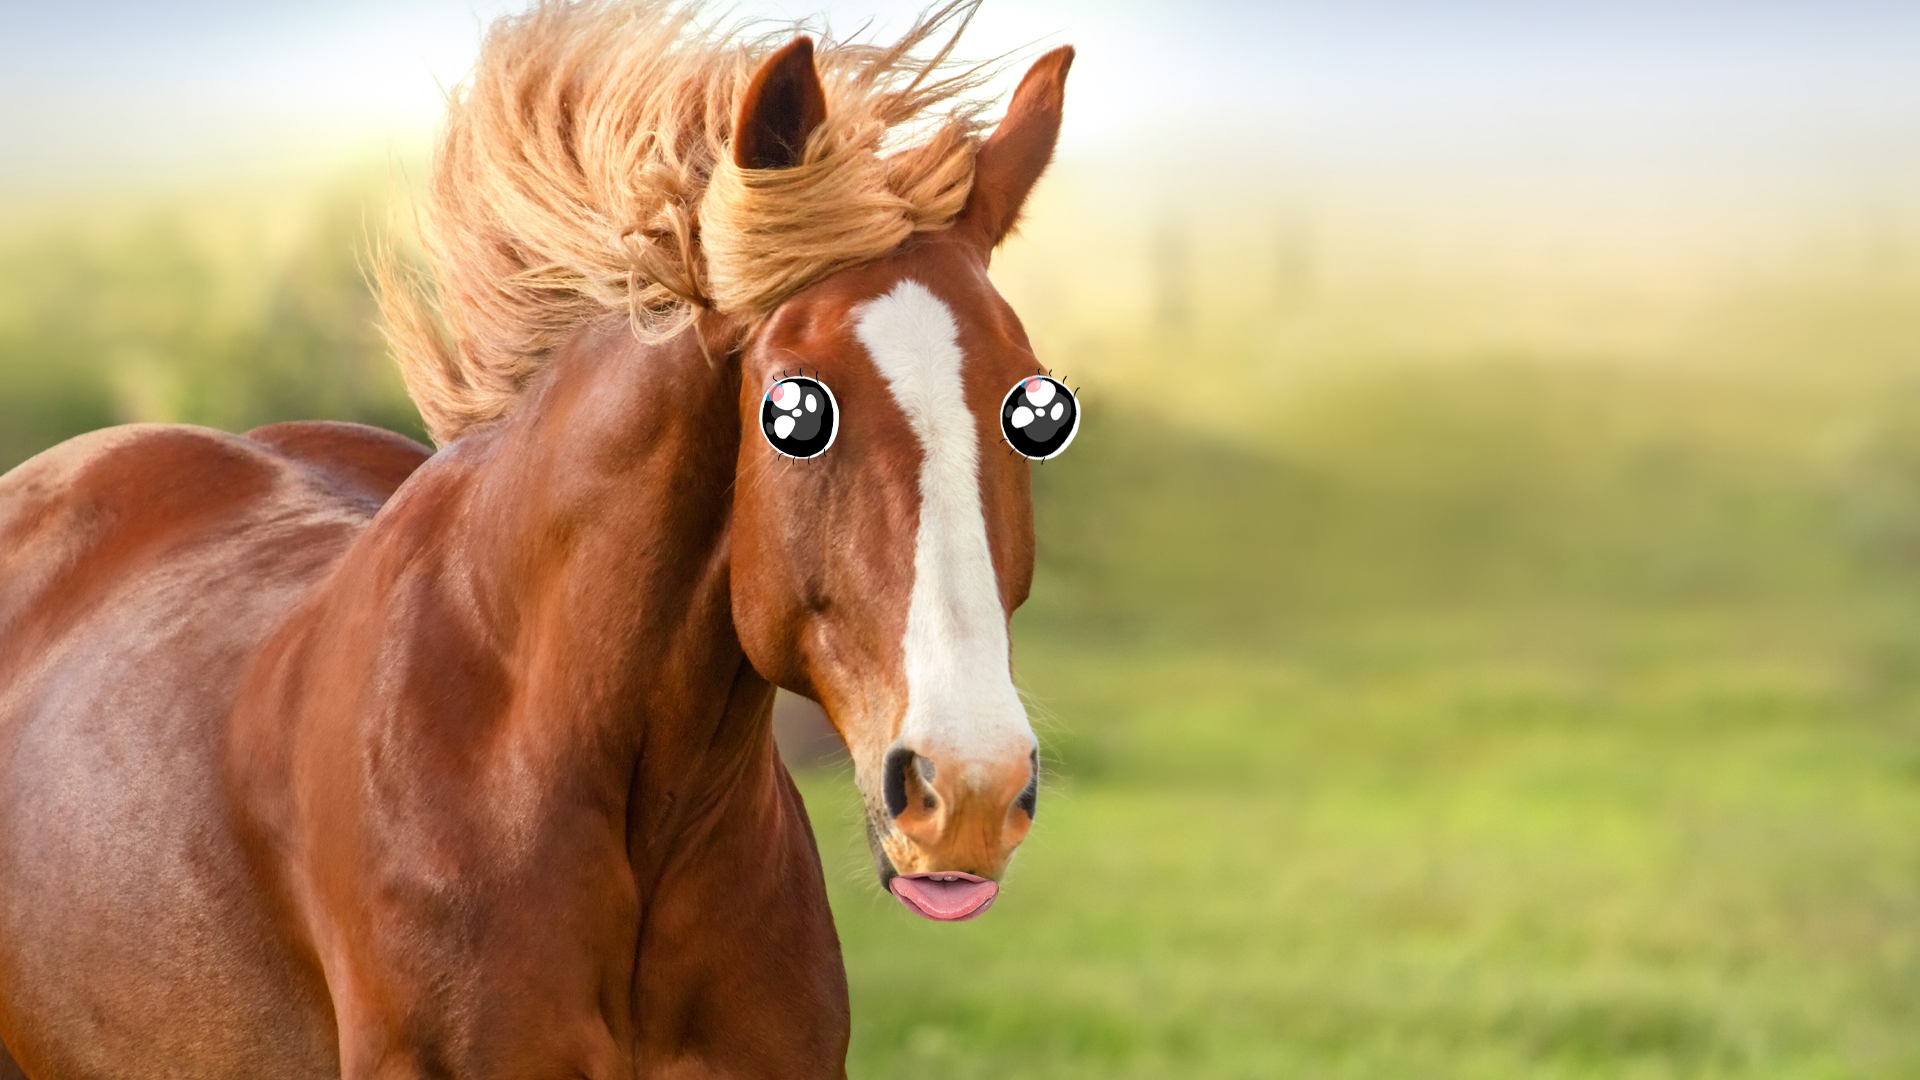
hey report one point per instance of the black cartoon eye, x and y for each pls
(1039, 417)
(800, 417)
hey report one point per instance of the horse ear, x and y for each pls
(783, 104)
(1014, 156)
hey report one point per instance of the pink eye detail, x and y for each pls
(786, 395)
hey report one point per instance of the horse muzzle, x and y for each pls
(951, 829)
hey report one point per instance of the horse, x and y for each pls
(323, 754)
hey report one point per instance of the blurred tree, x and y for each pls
(314, 350)
(155, 318)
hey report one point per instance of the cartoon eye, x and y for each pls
(800, 417)
(1039, 417)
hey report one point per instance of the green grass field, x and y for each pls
(1408, 853)
(1646, 805)
(1436, 680)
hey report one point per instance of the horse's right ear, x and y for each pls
(1013, 157)
(783, 104)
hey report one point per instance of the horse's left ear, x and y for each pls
(784, 102)
(1013, 157)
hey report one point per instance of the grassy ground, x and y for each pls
(1405, 853)
(1437, 678)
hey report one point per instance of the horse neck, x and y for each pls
(594, 545)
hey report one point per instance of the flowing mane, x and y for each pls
(585, 168)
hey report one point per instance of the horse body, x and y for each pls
(478, 860)
(323, 757)
(491, 846)
(128, 557)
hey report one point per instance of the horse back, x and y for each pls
(75, 520)
(370, 462)
(140, 570)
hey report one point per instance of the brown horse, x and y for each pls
(324, 757)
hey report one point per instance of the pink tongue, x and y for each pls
(948, 901)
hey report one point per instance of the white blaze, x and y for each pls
(961, 704)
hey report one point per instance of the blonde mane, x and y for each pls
(585, 168)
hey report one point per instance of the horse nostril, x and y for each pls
(894, 779)
(1030, 795)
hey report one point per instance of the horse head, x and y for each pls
(883, 521)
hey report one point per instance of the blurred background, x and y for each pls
(1477, 633)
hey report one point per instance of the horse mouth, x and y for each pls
(948, 896)
(940, 895)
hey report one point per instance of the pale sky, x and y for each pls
(121, 92)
